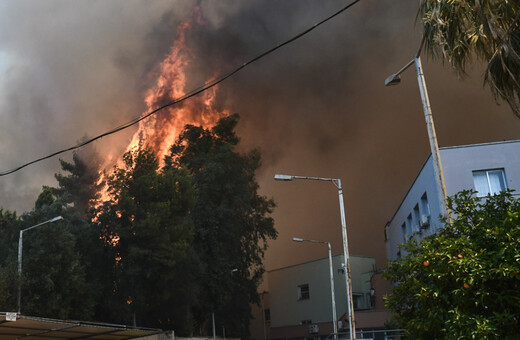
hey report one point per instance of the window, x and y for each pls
(359, 302)
(409, 223)
(303, 292)
(424, 222)
(425, 207)
(267, 314)
(489, 182)
(416, 216)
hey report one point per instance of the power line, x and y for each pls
(188, 95)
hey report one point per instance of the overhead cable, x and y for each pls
(188, 95)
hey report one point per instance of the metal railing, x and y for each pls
(372, 334)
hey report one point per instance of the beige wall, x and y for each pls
(287, 310)
(258, 328)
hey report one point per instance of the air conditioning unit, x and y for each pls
(314, 329)
(425, 221)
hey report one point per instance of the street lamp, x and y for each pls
(395, 79)
(333, 296)
(348, 282)
(234, 270)
(20, 245)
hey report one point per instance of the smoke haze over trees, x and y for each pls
(318, 107)
(173, 245)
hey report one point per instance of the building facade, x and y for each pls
(486, 168)
(300, 302)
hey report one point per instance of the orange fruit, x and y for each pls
(426, 263)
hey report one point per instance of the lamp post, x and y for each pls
(264, 321)
(20, 245)
(213, 323)
(348, 282)
(395, 79)
(234, 270)
(333, 296)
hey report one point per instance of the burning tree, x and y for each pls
(186, 240)
(173, 234)
(147, 230)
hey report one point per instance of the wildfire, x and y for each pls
(160, 131)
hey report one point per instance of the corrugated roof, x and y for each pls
(33, 328)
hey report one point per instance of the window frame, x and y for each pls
(304, 292)
(489, 191)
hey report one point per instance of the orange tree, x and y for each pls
(464, 281)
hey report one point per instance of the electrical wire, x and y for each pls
(188, 95)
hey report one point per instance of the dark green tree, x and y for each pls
(80, 183)
(232, 223)
(464, 282)
(147, 229)
(77, 192)
(9, 227)
(54, 275)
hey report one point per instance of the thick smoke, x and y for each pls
(69, 69)
(316, 107)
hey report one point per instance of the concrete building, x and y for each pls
(301, 304)
(487, 168)
(296, 300)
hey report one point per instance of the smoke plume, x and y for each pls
(316, 107)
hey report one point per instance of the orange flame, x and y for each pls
(160, 130)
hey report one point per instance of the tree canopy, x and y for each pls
(80, 185)
(489, 30)
(9, 226)
(173, 246)
(232, 222)
(146, 229)
(464, 282)
(55, 279)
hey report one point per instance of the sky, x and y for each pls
(316, 107)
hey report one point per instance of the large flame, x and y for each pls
(160, 131)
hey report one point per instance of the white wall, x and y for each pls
(458, 163)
